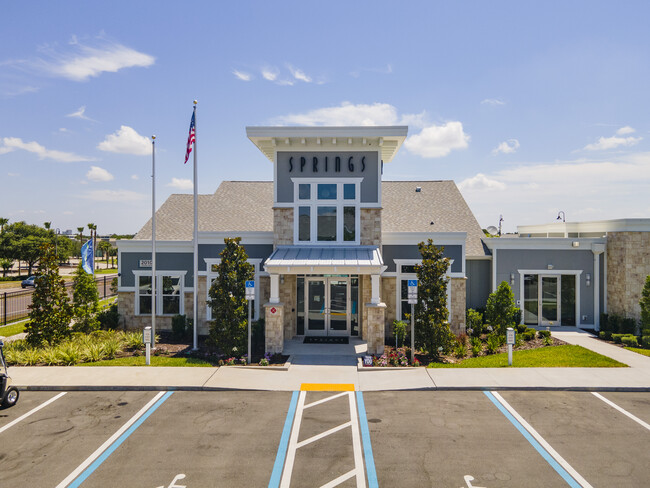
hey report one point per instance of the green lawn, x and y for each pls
(103, 271)
(13, 329)
(155, 361)
(545, 357)
(645, 352)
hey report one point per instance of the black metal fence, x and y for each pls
(14, 305)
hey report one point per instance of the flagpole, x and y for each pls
(153, 241)
(196, 241)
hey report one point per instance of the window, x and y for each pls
(212, 265)
(327, 211)
(169, 293)
(406, 270)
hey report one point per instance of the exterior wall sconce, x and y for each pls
(512, 279)
(575, 243)
(282, 279)
(549, 266)
(588, 279)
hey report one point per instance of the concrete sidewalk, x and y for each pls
(339, 367)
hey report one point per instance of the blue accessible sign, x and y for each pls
(250, 290)
(412, 291)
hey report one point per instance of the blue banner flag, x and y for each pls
(87, 257)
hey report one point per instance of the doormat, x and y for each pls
(325, 340)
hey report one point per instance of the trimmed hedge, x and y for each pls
(617, 338)
(630, 340)
(605, 335)
(645, 341)
(543, 333)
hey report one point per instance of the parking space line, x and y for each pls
(557, 462)
(276, 474)
(623, 411)
(93, 461)
(318, 402)
(367, 447)
(323, 434)
(32, 411)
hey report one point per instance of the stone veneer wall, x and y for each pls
(130, 321)
(273, 328)
(375, 328)
(282, 227)
(370, 226)
(388, 294)
(628, 264)
(458, 303)
(365, 292)
(288, 298)
(265, 292)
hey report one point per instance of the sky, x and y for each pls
(532, 108)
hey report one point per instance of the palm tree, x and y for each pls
(3, 221)
(47, 225)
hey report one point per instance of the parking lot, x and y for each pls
(326, 438)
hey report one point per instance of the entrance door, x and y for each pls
(328, 308)
(550, 292)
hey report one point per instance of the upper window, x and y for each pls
(326, 211)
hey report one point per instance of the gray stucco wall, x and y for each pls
(511, 260)
(479, 282)
(370, 174)
(390, 253)
(182, 261)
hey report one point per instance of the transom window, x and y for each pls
(326, 210)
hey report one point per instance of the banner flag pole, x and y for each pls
(153, 241)
(195, 322)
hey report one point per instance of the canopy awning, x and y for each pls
(325, 260)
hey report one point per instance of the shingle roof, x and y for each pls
(440, 202)
(247, 206)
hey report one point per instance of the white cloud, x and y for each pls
(63, 129)
(481, 182)
(12, 143)
(492, 101)
(345, 114)
(86, 62)
(414, 120)
(437, 141)
(241, 75)
(80, 114)
(135, 177)
(625, 130)
(506, 147)
(113, 196)
(270, 74)
(180, 184)
(13, 174)
(299, 74)
(605, 143)
(388, 69)
(98, 174)
(126, 141)
(68, 212)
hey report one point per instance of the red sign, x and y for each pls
(273, 310)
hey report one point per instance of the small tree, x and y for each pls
(645, 304)
(431, 314)
(50, 310)
(6, 264)
(85, 301)
(500, 310)
(228, 299)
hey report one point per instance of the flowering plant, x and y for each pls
(264, 362)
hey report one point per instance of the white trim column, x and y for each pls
(275, 288)
(597, 249)
(374, 282)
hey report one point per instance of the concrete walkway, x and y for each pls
(315, 363)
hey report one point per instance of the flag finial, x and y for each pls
(195, 102)
(153, 137)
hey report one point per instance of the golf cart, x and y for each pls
(8, 394)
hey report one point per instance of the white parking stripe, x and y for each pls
(552, 452)
(33, 410)
(624, 412)
(356, 443)
(293, 441)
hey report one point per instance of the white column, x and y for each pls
(275, 289)
(597, 249)
(374, 281)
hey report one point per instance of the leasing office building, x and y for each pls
(333, 245)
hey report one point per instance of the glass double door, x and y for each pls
(549, 300)
(327, 301)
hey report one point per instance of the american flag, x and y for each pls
(191, 138)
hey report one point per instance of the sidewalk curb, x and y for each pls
(432, 388)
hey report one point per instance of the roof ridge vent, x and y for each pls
(418, 189)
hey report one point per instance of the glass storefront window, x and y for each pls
(531, 306)
(304, 224)
(349, 221)
(171, 295)
(568, 299)
(349, 191)
(144, 294)
(327, 191)
(304, 191)
(326, 223)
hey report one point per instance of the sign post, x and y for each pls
(250, 296)
(510, 340)
(146, 338)
(412, 299)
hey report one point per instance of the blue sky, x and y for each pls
(531, 107)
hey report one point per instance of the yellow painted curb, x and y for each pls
(326, 387)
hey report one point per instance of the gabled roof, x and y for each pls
(247, 206)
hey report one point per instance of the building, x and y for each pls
(333, 245)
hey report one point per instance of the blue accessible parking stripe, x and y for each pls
(276, 475)
(367, 447)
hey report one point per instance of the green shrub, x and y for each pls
(460, 349)
(645, 341)
(28, 357)
(493, 343)
(133, 340)
(627, 326)
(520, 328)
(548, 341)
(645, 332)
(399, 331)
(93, 352)
(630, 340)
(179, 327)
(605, 324)
(605, 335)
(257, 334)
(543, 333)
(644, 303)
(112, 347)
(477, 346)
(529, 335)
(108, 318)
(50, 356)
(69, 353)
(474, 321)
(500, 310)
(617, 338)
